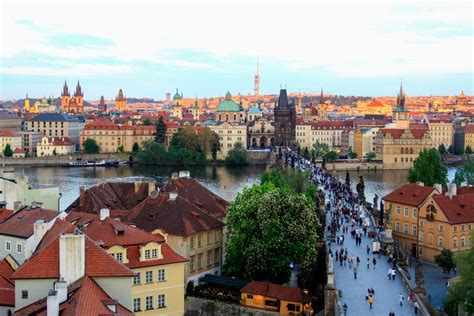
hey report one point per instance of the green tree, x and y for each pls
(370, 155)
(451, 149)
(461, 294)
(428, 168)
(8, 152)
(147, 122)
(208, 141)
(54, 152)
(91, 146)
(160, 131)
(465, 173)
(442, 149)
(352, 155)
(306, 153)
(468, 150)
(445, 260)
(121, 149)
(331, 156)
(237, 155)
(178, 151)
(270, 228)
(135, 148)
(152, 153)
(320, 149)
(459, 150)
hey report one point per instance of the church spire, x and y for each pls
(401, 99)
(321, 97)
(256, 86)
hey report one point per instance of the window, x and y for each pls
(405, 211)
(415, 213)
(422, 236)
(463, 242)
(397, 226)
(8, 245)
(469, 227)
(154, 253)
(24, 294)
(119, 256)
(191, 263)
(455, 228)
(441, 228)
(161, 275)
(216, 236)
(405, 228)
(209, 256)
(161, 301)
(137, 279)
(440, 242)
(455, 242)
(405, 245)
(462, 228)
(136, 305)
(19, 248)
(216, 255)
(149, 302)
(147, 254)
(200, 261)
(414, 230)
(191, 242)
(398, 209)
(422, 223)
(199, 241)
(149, 276)
(249, 296)
(209, 238)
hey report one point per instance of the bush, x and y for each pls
(237, 155)
(8, 152)
(91, 146)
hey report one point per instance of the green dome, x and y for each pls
(228, 105)
(177, 96)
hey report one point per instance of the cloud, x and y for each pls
(79, 70)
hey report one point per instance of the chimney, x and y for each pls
(151, 187)
(421, 184)
(174, 176)
(61, 290)
(184, 174)
(438, 187)
(82, 196)
(36, 204)
(104, 213)
(452, 190)
(17, 206)
(52, 304)
(173, 196)
(72, 261)
(40, 229)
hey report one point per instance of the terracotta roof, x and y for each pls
(459, 209)
(59, 227)
(469, 128)
(409, 194)
(21, 223)
(7, 286)
(370, 122)
(418, 126)
(375, 104)
(60, 141)
(85, 297)
(280, 292)
(169, 257)
(4, 213)
(18, 151)
(175, 217)
(101, 124)
(196, 193)
(9, 133)
(398, 132)
(44, 264)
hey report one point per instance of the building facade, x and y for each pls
(441, 132)
(285, 121)
(74, 104)
(120, 102)
(229, 135)
(53, 146)
(9, 137)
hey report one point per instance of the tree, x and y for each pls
(91, 146)
(269, 229)
(445, 260)
(237, 155)
(320, 149)
(306, 153)
(465, 173)
(370, 155)
(451, 149)
(428, 168)
(121, 149)
(147, 122)
(8, 152)
(208, 141)
(331, 156)
(442, 149)
(468, 150)
(54, 152)
(152, 153)
(352, 155)
(459, 150)
(135, 148)
(160, 131)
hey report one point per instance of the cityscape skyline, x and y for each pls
(324, 49)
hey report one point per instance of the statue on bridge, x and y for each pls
(348, 179)
(375, 203)
(360, 188)
(323, 164)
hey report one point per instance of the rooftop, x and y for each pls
(21, 223)
(409, 194)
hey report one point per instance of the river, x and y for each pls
(225, 181)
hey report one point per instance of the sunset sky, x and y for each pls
(207, 48)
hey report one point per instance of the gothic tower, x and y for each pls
(400, 115)
(285, 121)
(65, 98)
(177, 105)
(196, 111)
(79, 96)
(256, 86)
(120, 102)
(27, 104)
(102, 107)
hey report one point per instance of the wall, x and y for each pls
(37, 289)
(6, 310)
(206, 307)
(53, 161)
(117, 288)
(258, 157)
(19, 257)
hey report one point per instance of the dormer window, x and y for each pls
(147, 254)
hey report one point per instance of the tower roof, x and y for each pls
(78, 92)
(65, 91)
(120, 95)
(321, 97)
(177, 96)
(401, 101)
(228, 105)
(283, 100)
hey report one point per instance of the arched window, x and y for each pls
(440, 241)
(411, 150)
(455, 242)
(402, 151)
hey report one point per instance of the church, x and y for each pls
(74, 104)
(285, 121)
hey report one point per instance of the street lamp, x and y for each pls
(344, 307)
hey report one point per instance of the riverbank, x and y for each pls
(52, 161)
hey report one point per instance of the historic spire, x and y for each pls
(78, 92)
(283, 99)
(65, 92)
(321, 97)
(401, 99)
(256, 86)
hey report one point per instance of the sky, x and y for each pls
(148, 48)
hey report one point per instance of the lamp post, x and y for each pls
(344, 307)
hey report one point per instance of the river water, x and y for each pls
(225, 181)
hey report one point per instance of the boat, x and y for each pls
(90, 163)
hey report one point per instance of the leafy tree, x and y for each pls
(270, 228)
(152, 153)
(320, 149)
(91, 146)
(306, 153)
(8, 152)
(291, 179)
(465, 173)
(237, 155)
(178, 151)
(147, 122)
(160, 131)
(462, 292)
(442, 149)
(54, 152)
(121, 149)
(331, 156)
(352, 155)
(428, 168)
(468, 150)
(445, 260)
(135, 147)
(370, 155)
(208, 142)
(451, 149)
(459, 150)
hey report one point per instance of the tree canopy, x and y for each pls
(428, 168)
(91, 146)
(331, 156)
(371, 155)
(147, 122)
(320, 149)
(8, 152)
(445, 260)
(442, 149)
(237, 155)
(160, 131)
(465, 173)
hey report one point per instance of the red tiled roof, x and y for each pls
(18, 151)
(4, 213)
(21, 223)
(418, 126)
(398, 132)
(44, 264)
(280, 292)
(469, 128)
(409, 194)
(60, 141)
(59, 227)
(9, 133)
(101, 124)
(459, 209)
(175, 217)
(85, 297)
(375, 104)
(7, 287)
(169, 257)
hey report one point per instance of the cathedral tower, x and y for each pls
(65, 97)
(120, 102)
(79, 96)
(177, 105)
(400, 115)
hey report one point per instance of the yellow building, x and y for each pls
(27, 104)
(158, 285)
(364, 141)
(74, 104)
(422, 218)
(276, 298)
(9, 137)
(229, 135)
(120, 102)
(441, 132)
(112, 137)
(52, 146)
(469, 136)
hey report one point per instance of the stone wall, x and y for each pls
(205, 307)
(259, 157)
(52, 161)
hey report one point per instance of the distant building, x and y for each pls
(120, 102)
(261, 133)
(441, 132)
(30, 140)
(229, 111)
(229, 135)
(468, 136)
(52, 146)
(9, 137)
(74, 104)
(285, 121)
(177, 105)
(10, 121)
(102, 107)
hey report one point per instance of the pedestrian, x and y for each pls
(368, 263)
(389, 274)
(337, 255)
(371, 301)
(358, 260)
(410, 298)
(401, 298)
(355, 273)
(416, 306)
(368, 249)
(374, 261)
(391, 313)
(394, 272)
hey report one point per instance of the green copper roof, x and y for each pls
(178, 96)
(255, 110)
(228, 105)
